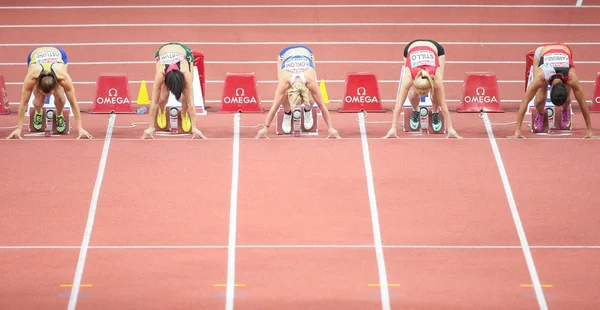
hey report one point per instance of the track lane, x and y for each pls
(325, 33)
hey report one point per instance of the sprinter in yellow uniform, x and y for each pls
(47, 75)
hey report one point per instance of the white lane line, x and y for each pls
(91, 215)
(383, 281)
(233, 213)
(275, 6)
(190, 25)
(515, 214)
(25, 44)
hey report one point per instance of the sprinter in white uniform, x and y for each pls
(553, 65)
(298, 85)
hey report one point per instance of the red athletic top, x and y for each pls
(422, 58)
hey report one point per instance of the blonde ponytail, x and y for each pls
(424, 84)
(298, 94)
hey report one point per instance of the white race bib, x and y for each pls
(47, 57)
(299, 64)
(170, 58)
(556, 60)
(422, 58)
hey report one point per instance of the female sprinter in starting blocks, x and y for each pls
(174, 65)
(423, 74)
(297, 86)
(553, 65)
(47, 75)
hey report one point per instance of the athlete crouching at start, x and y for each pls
(46, 76)
(174, 74)
(424, 62)
(553, 65)
(297, 86)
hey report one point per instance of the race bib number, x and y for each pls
(556, 60)
(299, 64)
(47, 57)
(171, 58)
(422, 58)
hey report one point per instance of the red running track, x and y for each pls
(306, 235)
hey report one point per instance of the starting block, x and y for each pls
(552, 120)
(426, 126)
(480, 93)
(49, 121)
(425, 111)
(240, 94)
(362, 94)
(174, 125)
(298, 121)
(4, 107)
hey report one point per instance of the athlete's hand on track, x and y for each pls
(16, 133)
(452, 132)
(590, 135)
(262, 132)
(198, 133)
(517, 135)
(333, 132)
(391, 132)
(83, 132)
(148, 133)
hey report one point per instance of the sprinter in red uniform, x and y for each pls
(553, 65)
(423, 74)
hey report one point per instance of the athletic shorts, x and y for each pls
(189, 55)
(63, 55)
(441, 51)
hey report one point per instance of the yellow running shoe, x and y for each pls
(37, 120)
(161, 119)
(61, 125)
(186, 123)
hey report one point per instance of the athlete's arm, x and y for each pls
(28, 85)
(189, 95)
(316, 94)
(538, 81)
(402, 94)
(573, 82)
(282, 86)
(67, 84)
(159, 80)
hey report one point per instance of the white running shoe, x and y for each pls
(308, 119)
(286, 125)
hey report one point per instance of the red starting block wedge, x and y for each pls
(4, 107)
(174, 124)
(300, 130)
(240, 94)
(112, 95)
(49, 122)
(426, 125)
(480, 93)
(596, 97)
(362, 94)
